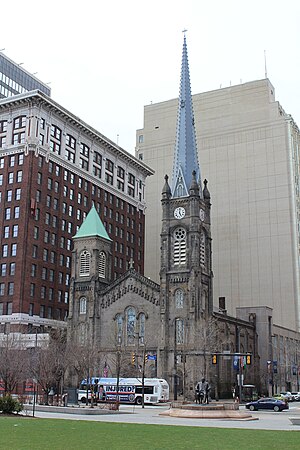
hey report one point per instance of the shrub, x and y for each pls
(9, 405)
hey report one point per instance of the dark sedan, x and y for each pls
(267, 403)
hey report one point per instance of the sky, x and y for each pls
(106, 60)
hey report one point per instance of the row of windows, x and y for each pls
(180, 248)
(12, 213)
(49, 293)
(9, 250)
(13, 159)
(8, 269)
(85, 262)
(5, 308)
(7, 290)
(9, 195)
(10, 231)
(49, 274)
(48, 312)
(110, 173)
(12, 177)
(12, 84)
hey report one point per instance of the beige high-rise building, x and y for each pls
(249, 151)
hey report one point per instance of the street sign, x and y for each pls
(151, 357)
(236, 360)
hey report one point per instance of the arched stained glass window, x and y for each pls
(179, 298)
(131, 325)
(179, 246)
(85, 261)
(102, 265)
(82, 305)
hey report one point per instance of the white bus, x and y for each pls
(156, 390)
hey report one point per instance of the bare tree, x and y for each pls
(13, 362)
(207, 342)
(49, 364)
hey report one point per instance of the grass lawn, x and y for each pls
(17, 433)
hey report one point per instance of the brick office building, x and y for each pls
(53, 168)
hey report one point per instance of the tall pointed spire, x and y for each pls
(185, 155)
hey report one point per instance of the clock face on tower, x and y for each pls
(179, 213)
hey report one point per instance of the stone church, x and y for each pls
(168, 330)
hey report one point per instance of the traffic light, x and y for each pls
(146, 357)
(248, 359)
(133, 358)
(214, 359)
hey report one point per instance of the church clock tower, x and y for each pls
(186, 273)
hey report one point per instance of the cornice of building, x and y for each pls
(38, 98)
(35, 321)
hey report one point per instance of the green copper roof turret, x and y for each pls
(92, 226)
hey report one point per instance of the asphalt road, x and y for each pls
(266, 420)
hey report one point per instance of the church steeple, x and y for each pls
(185, 155)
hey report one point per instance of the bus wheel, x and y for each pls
(83, 400)
(138, 401)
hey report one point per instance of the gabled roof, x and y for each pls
(92, 226)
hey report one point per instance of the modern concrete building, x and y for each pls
(16, 80)
(249, 152)
(53, 168)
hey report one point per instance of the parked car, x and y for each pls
(288, 396)
(296, 396)
(268, 403)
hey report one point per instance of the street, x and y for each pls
(266, 420)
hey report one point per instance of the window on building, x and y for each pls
(4, 251)
(19, 176)
(21, 159)
(131, 325)
(3, 126)
(6, 232)
(179, 330)
(33, 270)
(3, 270)
(142, 328)
(179, 250)
(84, 268)
(179, 298)
(82, 305)
(31, 306)
(2, 289)
(34, 251)
(32, 289)
(11, 286)
(9, 308)
(55, 141)
(15, 230)
(18, 194)
(12, 268)
(43, 292)
(9, 195)
(202, 250)
(102, 265)
(119, 321)
(16, 212)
